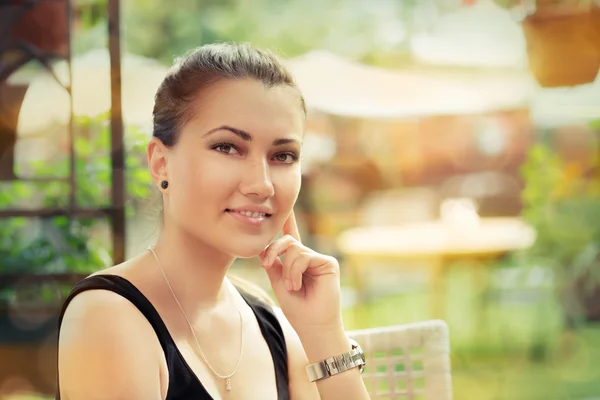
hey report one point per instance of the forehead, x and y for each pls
(250, 105)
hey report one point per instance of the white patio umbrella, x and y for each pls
(578, 105)
(44, 116)
(483, 34)
(47, 104)
(338, 86)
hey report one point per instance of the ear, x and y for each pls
(157, 161)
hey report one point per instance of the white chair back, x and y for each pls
(407, 362)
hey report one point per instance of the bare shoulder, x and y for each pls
(107, 349)
(300, 387)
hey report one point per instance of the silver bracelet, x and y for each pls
(338, 364)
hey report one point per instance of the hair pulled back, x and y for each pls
(202, 67)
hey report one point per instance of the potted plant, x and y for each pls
(44, 24)
(561, 201)
(563, 39)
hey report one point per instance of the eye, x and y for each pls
(225, 148)
(286, 158)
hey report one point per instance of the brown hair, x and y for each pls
(197, 70)
(202, 67)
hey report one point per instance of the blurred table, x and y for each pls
(437, 242)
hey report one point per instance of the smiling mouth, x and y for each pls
(249, 214)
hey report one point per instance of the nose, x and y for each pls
(256, 180)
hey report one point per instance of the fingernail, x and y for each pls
(288, 284)
(264, 260)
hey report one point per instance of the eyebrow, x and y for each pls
(248, 137)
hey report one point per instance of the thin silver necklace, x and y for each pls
(226, 377)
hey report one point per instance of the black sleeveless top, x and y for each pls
(183, 383)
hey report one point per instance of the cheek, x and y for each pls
(198, 181)
(212, 189)
(286, 189)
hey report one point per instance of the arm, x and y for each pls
(108, 350)
(320, 344)
(307, 286)
(314, 346)
(300, 387)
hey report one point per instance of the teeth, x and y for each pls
(252, 214)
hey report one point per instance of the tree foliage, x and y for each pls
(164, 30)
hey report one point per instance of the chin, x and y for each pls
(246, 253)
(249, 249)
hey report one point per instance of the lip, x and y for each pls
(254, 221)
(252, 208)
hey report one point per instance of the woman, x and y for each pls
(169, 324)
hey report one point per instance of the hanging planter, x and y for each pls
(563, 39)
(563, 45)
(45, 25)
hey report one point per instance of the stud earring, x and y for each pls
(164, 184)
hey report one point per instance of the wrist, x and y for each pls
(320, 344)
(309, 331)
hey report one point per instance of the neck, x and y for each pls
(195, 271)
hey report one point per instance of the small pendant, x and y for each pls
(228, 384)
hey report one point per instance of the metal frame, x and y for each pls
(28, 52)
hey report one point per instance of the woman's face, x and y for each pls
(234, 175)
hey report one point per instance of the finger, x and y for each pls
(275, 274)
(297, 269)
(290, 227)
(303, 262)
(291, 256)
(262, 256)
(276, 249)
(270, 253)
